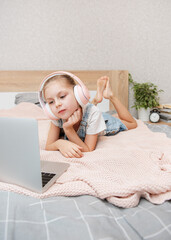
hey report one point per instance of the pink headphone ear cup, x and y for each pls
(82, 97)
(49, 113)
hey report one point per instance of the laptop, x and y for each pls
(20, 156)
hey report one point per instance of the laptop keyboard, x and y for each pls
(46, 177)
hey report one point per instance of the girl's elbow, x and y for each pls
(46, 148)
(87, 149)
(90, 149)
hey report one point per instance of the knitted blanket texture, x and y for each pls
(122, 169)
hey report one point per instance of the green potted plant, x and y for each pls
(146, 96)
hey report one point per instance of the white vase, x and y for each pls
(143, 114)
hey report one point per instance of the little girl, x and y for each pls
(81, 125)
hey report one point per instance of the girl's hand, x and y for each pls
(73, 119)
(69, 149)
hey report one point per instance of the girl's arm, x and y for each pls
(53, 136)
(68, 149)
(90, 140)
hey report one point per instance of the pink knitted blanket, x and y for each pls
(122, 169)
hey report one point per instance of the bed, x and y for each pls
(92, 214)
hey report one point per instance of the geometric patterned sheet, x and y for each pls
(82, 218)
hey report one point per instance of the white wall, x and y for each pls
(89, 35)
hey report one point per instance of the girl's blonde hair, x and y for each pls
(69, 80)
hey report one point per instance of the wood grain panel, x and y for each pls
(119, 85)
(24, 81)
(29, 81)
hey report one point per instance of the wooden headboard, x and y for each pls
(29, 81)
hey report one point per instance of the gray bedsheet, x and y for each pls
(83, 217)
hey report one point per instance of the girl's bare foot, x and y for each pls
(101, 85)
(108, 91)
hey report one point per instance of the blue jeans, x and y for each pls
(113, 124)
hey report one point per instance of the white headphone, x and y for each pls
(80, 91)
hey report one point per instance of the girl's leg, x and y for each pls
(104, 90)
(101, 84)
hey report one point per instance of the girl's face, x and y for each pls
(60, 97)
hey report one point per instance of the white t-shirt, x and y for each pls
(95, 121)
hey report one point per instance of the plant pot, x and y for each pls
(143, 114)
